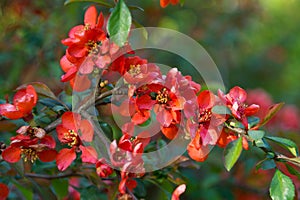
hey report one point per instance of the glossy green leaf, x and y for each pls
(256, 134)
(119, 23)
(286, 143)
(100, 2)
(232, 153)
(282, 187)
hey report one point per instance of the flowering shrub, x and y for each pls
(159, 108)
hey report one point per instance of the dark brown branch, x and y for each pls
(50, 177)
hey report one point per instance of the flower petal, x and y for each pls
(12, 154)
(9, 111)
(49, 141)
(64, 158)
(89, 154)
(87, 130)
(71, 120)
(238, 93)
(90, 16)
(170, 132)
(47, 155)
(178, 191)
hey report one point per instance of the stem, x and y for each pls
(53, 125)
(277, 156)
(50, 177)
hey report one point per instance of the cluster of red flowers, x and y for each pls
(174, 101)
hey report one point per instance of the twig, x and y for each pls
(53, 125)
(50, 177)
(277, 156)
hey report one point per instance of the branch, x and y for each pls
(277, 156)
(50, 177)
(52, 125)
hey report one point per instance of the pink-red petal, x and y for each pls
(89, 154)
(47, 155)
(12, 154)
(87, 131)
(64, 158)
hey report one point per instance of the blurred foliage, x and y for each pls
(255, 43)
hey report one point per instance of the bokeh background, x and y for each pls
(255, 44)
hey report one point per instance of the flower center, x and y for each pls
(71, 138)
(162, 96)
(134, 70)
(92, 47)
(29, 154)
(205, 116)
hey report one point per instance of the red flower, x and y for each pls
(128, 150)
(165, 3)
(23, 102)
(83, 40)
(72, 131)
(206, 128)
(31, 143)
(178, 191)
(103, 169)
(235, 100)
(227, 136)
(4, 191)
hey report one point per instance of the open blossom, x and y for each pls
(103, 169)
(169, 97)
(236, 101)
(205, 128)
(31, 143)
(83, 40)
(72, 131)
(23, 102)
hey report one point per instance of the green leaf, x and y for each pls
(286, 143)
(262, 143)
(222, 110)
(282, 187)
(266, 164)
(252, 121)
(270, 114)
(232, 153)
(119, 23)
(256, 134)
(292, 171)
(100, 2)
(60, 187)
(26, 191)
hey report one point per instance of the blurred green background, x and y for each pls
(255, 44)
